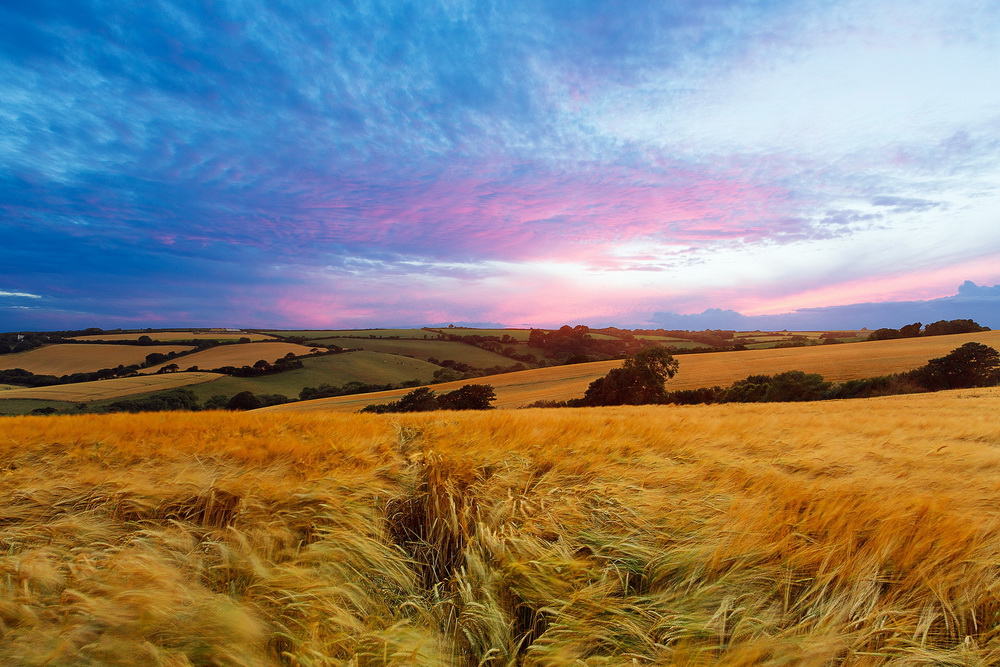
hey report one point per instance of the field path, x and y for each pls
(836, 363)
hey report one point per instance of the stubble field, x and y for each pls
(847, 532)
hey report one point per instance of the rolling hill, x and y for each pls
(66, 359)
(98, 390)
(835, 362)
(239, 354)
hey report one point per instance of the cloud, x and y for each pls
(981, 304)
(20, 295)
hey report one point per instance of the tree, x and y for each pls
(639, 381)
(469, 397)
(245, 400)
(971, 365)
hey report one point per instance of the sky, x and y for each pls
(350, 164)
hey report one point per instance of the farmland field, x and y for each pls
(177, 335)
(335, 369)
(67, 359)
(846, 532)
(239, 354)
(81, 392)
(835, 362)
(425, 349)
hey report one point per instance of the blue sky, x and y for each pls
(351, 164)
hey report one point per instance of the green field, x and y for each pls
(424, 349)
(335, 369)
(22, 406)
(335, 333)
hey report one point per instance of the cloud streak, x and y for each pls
(393, 161)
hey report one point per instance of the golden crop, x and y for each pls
(66, 359)
(99, 390)
(233, 355)
(845, 532)
(178, 335)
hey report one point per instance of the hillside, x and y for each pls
(244, 354)
(67, 359)
(845, 532)
(177, 335)
(82, 392)
(835, 362)
(423, 349)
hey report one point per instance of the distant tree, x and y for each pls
(469, 397)
(639, 381)
(169, 368)
(971, 365)
(245, 400)
(910, 330)
(217, 402)
(884, 334)
(144, 340)
(946, 327)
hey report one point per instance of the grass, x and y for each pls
(83, 392)
(849, 532)
(425, 349)
(835, 362)
(66, 359)
(336, 369)
(244, 354)
(177, 335)
(22, 406)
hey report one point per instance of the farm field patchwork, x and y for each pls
(238, 354)
(836, 363)
(66, 359)
(82, 392)
(425, 349)
(178, 335)
(334, 369)
(846, 532)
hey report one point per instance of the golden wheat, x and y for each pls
(66, 359)
(100, 390)
(847, 532)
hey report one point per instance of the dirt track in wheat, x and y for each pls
(848, 532)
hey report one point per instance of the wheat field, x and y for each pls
(836, 363)
(68, 358)
(178, 335)
(101, 390)
(239, 354)
(862, 532)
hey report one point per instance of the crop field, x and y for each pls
(67, 359)
(335, 369)
(378, 333)
(240, 354)
(836, 363)
(178, 335)
(82, 392)
(846, 532)
(425, 349)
